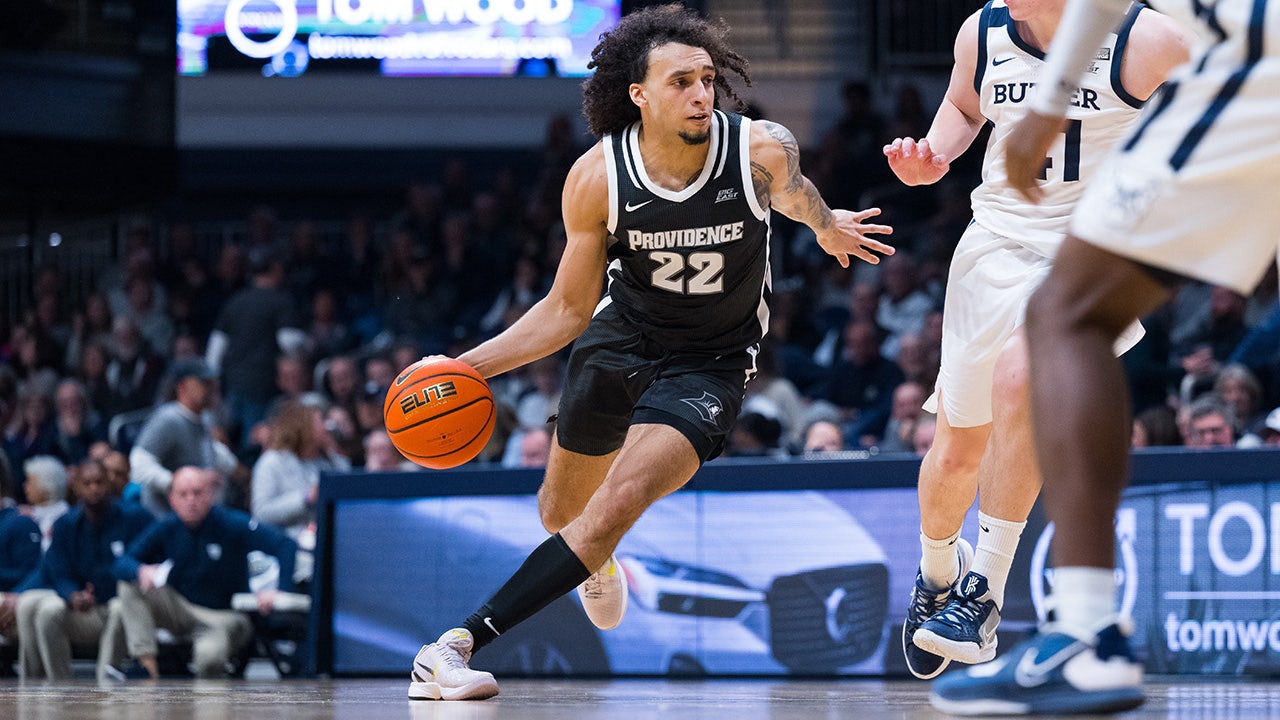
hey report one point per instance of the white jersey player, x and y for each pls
(981, 395)
(1100, 114)
(1191, 191)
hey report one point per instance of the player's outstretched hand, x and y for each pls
(1025, 151)
(848, 236)
(915, 162)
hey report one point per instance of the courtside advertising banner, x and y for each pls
(778, 578)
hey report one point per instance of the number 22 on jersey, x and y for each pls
(707, 270)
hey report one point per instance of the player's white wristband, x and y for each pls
(1084, 27)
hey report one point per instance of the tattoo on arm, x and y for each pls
(799, 199)
(816, 212)
(761, 179)
(795, 181)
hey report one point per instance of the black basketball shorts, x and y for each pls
(616, 378)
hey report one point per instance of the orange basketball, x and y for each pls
(439, 412)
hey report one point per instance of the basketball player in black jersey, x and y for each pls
(672, 208)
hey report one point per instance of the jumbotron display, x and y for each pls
(286, 38)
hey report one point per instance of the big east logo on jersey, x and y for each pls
(427, 395)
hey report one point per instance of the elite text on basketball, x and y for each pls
(427, 395)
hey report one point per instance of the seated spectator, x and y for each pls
(1156, 426)
(327, 335)
(293, 379)
(903, 304)
(286, 478)
(34, 356)
(823, 436)
(149, 312)
(133, 371)
(31, 432)
(181, 572)
(862, 383)
(922, 436)
(46, 488)
(91, 371)
(1202, 352)
(342, 382)
(19, 552)
(380, 455)
(90, 326)
(342, 435)
(69, 606)
(176, 435)
(1210, 424)
(117, 467)
(918, 361)
(76, 424)
(862, 306)
(535, 448)
(1239, 388)
(908, 399)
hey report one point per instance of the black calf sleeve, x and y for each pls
(550, 571)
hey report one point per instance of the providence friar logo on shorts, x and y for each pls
(708, 406)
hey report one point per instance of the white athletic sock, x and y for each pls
(997, 543)
(1083, 596)
(939, 564)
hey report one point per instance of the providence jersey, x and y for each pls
(1100, 114)
(689, 268)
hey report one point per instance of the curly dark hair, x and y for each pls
(622, 58)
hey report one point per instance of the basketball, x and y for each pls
(439, 412)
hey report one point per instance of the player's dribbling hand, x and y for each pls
(1025, 152)
(915, 162)
(848, 236)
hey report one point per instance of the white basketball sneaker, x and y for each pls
(440, 671)
(604, 595)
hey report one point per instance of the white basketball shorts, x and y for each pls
(990, 281)
(1195, 189)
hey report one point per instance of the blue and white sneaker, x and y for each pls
(965, 630)
(1057, 671)
(925, 603)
